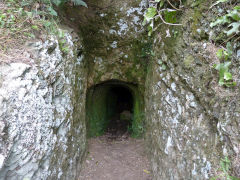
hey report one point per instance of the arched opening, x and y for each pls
(115, 107)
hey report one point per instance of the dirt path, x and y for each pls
(119, 158)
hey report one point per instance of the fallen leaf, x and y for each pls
(146, 171)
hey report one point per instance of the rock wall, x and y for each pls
(42, 112)
(192, 121)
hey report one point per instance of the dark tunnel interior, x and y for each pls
(120, 109)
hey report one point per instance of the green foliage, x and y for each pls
(57, 2)
(225, 54)
(151, 12)
(225, 77)
(234, 28)
(79, 3)
(75, 2)
(149, 18)
(26, 19)
(224, 173)
(51, 11)
(62, 42)
(231, 19)
(162, 65)
(160, 10)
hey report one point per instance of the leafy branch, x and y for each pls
(163, 10)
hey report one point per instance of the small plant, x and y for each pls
(62, 42)
(231, 19)
(225, 77)
(224, 171)
(162, 65)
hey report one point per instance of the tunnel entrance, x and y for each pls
(114, 107)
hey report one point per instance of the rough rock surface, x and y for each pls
(192, 122)
(38, 126)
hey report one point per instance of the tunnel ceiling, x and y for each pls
(115, 45)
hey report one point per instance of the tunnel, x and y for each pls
(114, 107)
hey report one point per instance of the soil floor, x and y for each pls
(116, 158)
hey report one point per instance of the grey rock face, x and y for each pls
(41, 136)
(182, 141)
(192, 121)
(42, 105)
